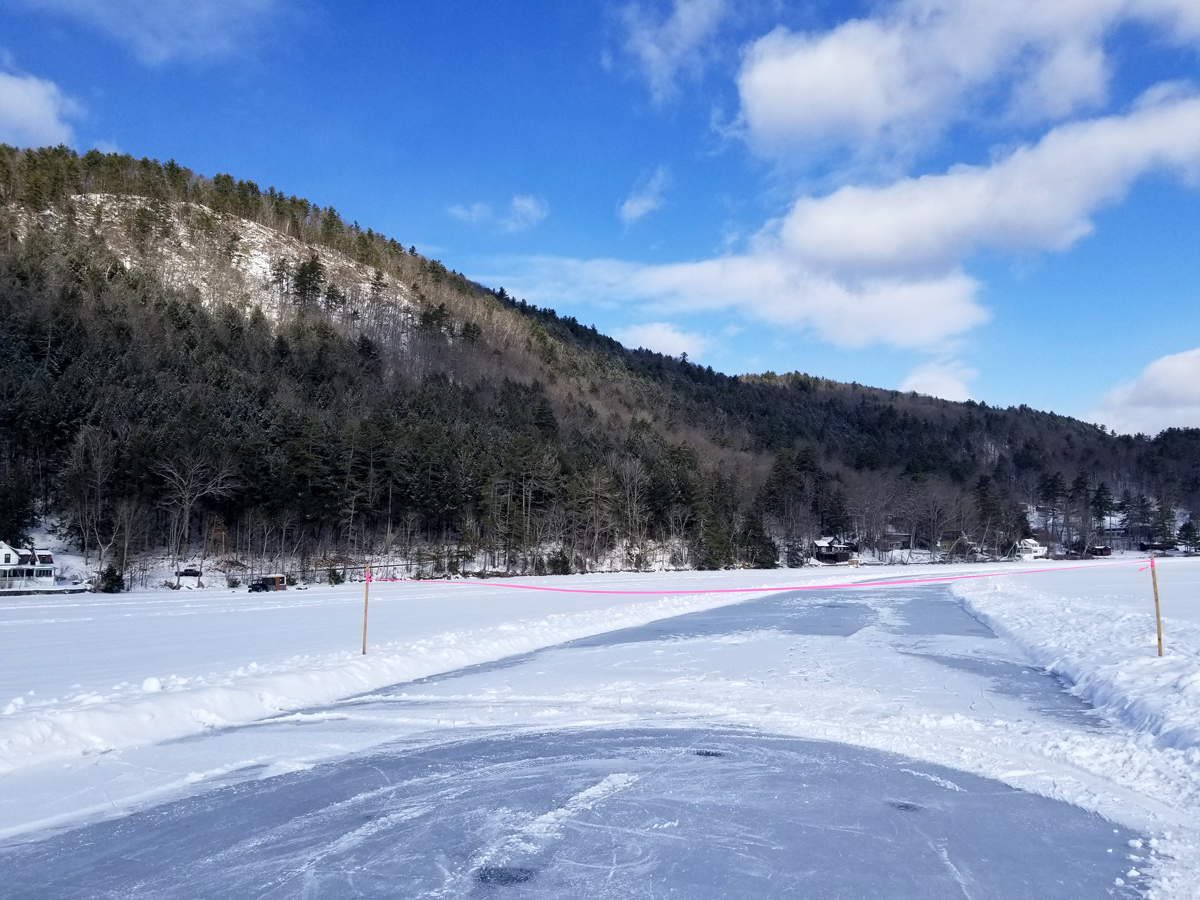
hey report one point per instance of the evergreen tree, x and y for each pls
(988, 505)
(1052, 489)
(1081, 488)
(1163, 524)
(713, 549)
(111, 581)
(1189, 535)
(1103, 504)
(17, 505)
(756, 547)
(308, 280)
(1138, 516)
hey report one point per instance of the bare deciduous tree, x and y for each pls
(84, 488)
(188, 479)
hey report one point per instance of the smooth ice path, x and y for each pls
(702, 755)
(612, 813)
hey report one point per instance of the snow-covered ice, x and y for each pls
(590, 690)
(1098, 631)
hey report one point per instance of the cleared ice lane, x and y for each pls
(646, 762)
(604, 813)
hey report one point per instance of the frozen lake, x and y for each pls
(621, 765)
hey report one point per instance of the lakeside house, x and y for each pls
(1032, 549)
(25, 570)
(832, 550)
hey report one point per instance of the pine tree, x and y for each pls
(757, 548)
(111, 581)
(1103, 504)
(17, 505)
(1163, 524)
(308, 281)
(1137, 516)
(1189, 535)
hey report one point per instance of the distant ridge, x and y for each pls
(193, 363)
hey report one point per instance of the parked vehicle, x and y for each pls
(268, 583)
(188, 573)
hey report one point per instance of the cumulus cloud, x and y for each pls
(34, 112)
(947, 379)
(663, 49)
(662, 337)
(523, 212)
(883, 265)
(895, 79)
(645, 198)
(768, 287)
(1039, 197)
(1166, 394)
(159, 31)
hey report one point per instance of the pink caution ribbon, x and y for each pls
(478, 582)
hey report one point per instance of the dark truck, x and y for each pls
(268, 583)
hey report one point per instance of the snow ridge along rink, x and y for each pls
(60, 653)
(235, 658)
(296, 651)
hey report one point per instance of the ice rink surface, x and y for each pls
(808, 743)
(615, 813)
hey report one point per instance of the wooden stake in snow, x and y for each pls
(367, 594)
(1157, 614)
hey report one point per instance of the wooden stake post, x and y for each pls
(367, 595)
(1157, 613)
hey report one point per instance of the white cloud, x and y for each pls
(947, 379)
(162, 30)
(892, 81)
(523, 212)
(34, 112)
(882, 266)
(769, 287)
(662, 337)
(1166, 394)
(474, 214)
(663, 49)
(1039, 197)
(646, 198)
(1074, 74)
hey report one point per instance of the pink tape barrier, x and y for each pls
(749, 590)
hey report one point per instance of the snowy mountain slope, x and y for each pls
(224, 258)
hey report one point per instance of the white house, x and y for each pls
(1031, 549)
(25, 570)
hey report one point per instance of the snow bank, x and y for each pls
(1097, 630)
(182, 706)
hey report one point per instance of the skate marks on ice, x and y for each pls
(795, 612)
(594, 813)
(909, 614)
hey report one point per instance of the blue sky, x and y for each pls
(962, 197)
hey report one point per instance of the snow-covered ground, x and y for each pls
(90, 673)
(163, 698)
(1098, 632)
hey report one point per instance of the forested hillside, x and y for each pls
(193, 365)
